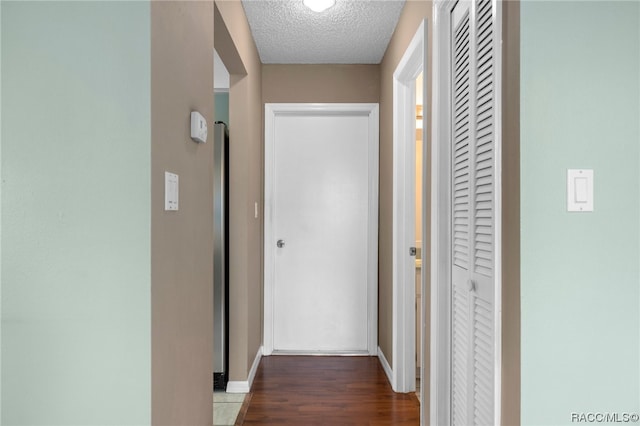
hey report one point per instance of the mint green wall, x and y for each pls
(76, 213)
(222, 107)
(580, 73)
(0, 210)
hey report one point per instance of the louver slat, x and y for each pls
(483, 364)
(473, 198)
(460, 349)
(461, 148)
(484, 144)
(483, 196)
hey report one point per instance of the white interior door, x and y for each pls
(319, 237)
(473, 205)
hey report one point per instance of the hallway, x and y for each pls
(107, 258)
(301, 390)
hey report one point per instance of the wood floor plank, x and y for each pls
(318, 391)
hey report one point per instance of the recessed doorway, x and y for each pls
(408, 232)
(419, 191)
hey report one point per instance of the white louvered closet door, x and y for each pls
(473, 105)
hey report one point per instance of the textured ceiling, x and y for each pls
(351, 32)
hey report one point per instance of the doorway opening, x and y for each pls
(409, 215)
(419, 168)
(228, 71)
(221, 226)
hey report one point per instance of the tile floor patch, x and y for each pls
(228, 397)
(226, 407)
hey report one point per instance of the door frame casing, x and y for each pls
(441, 216)
(440, 386)
(413, 62)
(272, 110)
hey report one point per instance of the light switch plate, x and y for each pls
(171, 191)
(580, 190)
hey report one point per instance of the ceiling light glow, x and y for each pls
(319, 5)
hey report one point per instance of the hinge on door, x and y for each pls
(413, 251)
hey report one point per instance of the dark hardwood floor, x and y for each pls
(341, 391)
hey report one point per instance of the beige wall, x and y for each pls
(511, 213)
(234, 43)
(181, 241)
(320, 83)
(412, 15)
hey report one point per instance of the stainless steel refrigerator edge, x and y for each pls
(220, 256)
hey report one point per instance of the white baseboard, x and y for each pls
(254, 366)
(245, 386)
(385, 365)
(238, 387)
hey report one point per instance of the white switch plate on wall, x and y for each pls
(580, 190)
(171, 191)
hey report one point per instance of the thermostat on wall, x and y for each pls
(198, 127)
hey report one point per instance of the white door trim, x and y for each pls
(497, 403)
(413, 62)
(441, 217)
(272, 110)
(440, 386)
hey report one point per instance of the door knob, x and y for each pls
(472, 285)
(280, 243)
